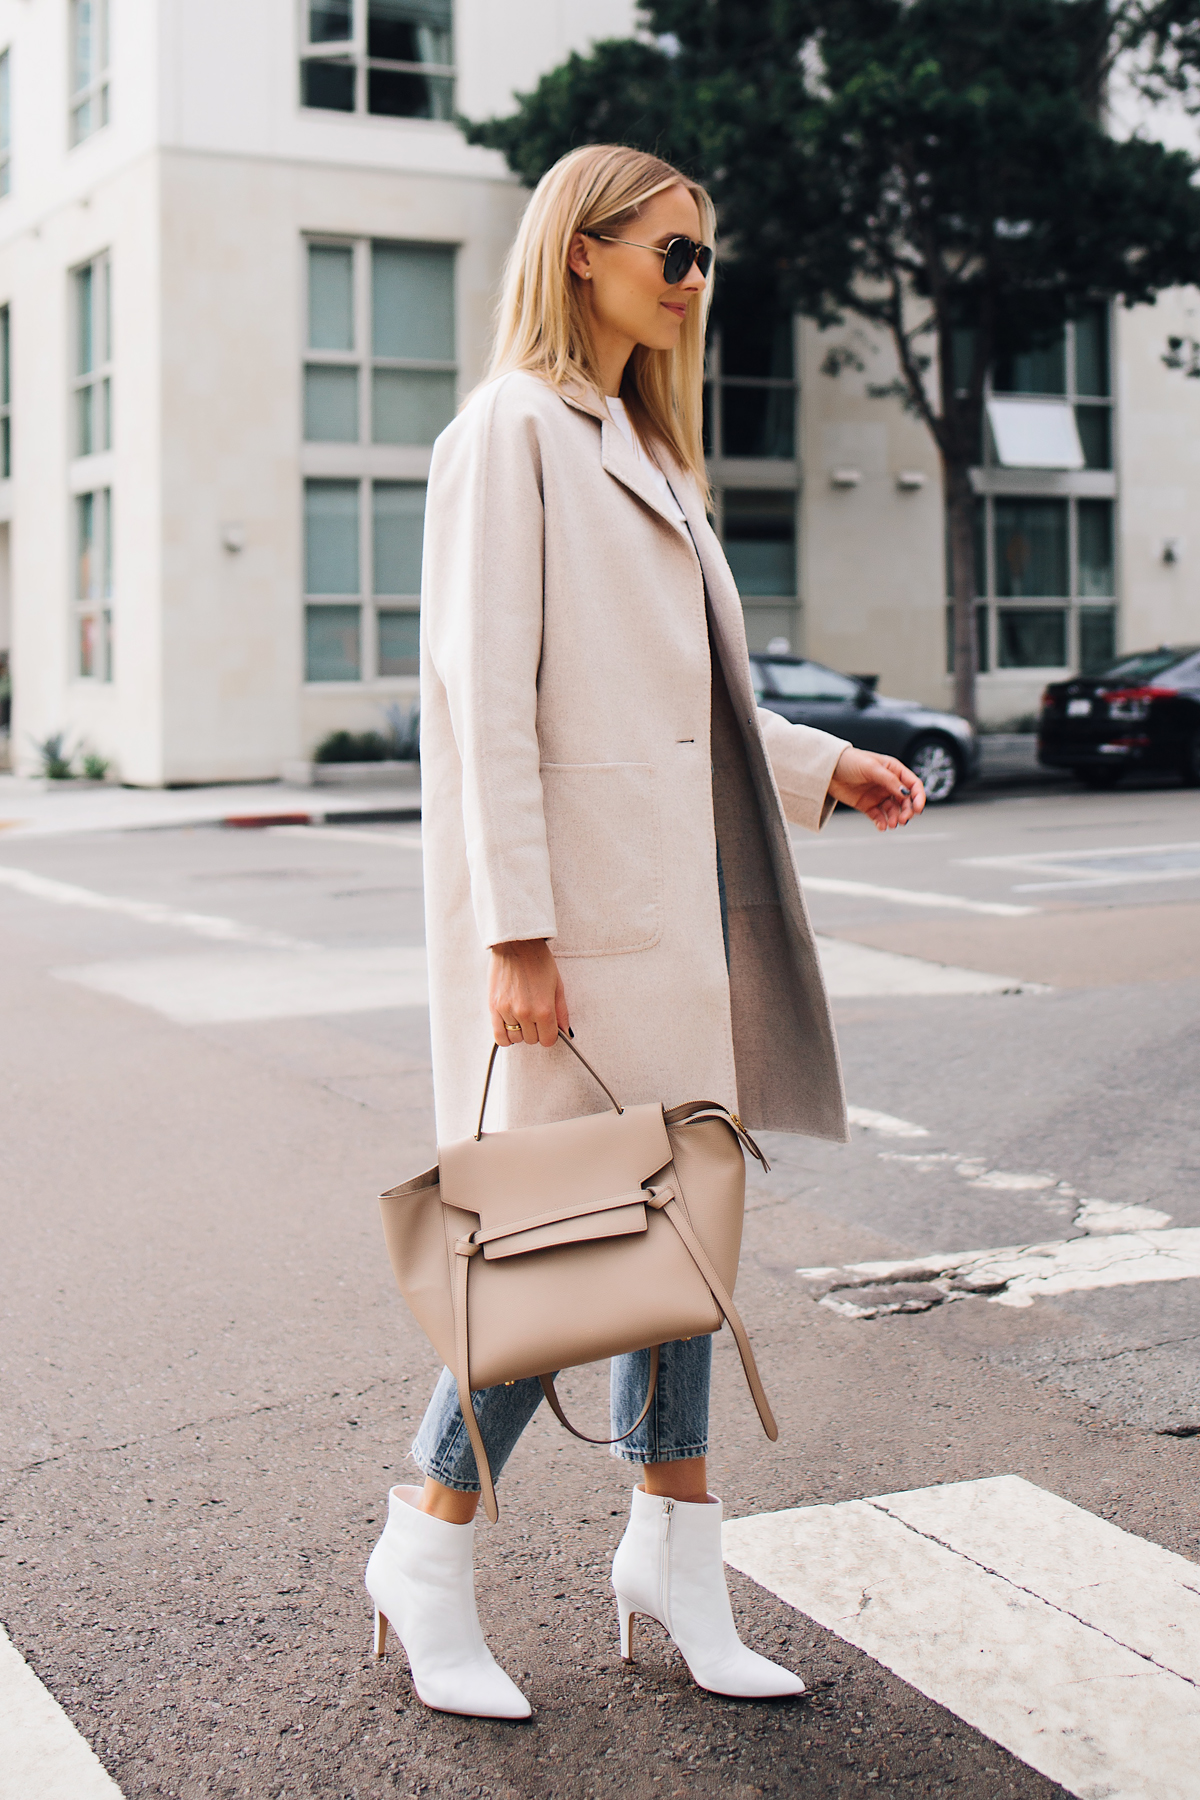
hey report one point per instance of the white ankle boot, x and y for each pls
(669, 1567)
(421, 1578)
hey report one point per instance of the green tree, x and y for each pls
(937, 168)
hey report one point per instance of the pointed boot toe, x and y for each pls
(421, 1577)
(669, 1567)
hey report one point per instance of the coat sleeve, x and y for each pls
(802, 761)
(481, 603)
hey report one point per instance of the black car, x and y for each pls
(1141, 711)
(939, 747)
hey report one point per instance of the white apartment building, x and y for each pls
(247, 266)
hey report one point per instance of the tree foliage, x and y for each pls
(938, 168)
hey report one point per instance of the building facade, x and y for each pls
(241, 293)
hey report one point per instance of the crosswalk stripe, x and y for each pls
(42, 1756)
(1072, 1643)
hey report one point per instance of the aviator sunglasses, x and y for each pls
(678, 256)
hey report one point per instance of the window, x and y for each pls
(93, 358)
(5, 124)
(1031, 550)
(750, 396)
(1076, 367)
(362, 560)
(381, 362)
(758, 530)
(89, 67)
(389, 57)
(93, 585)
(5, 396)
(810, 681)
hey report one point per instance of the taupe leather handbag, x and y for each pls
(525, 1252)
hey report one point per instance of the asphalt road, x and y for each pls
(210, 1382)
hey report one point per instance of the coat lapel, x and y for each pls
(616, 457)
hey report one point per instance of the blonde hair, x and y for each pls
(542, 324)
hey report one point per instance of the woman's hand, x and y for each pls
(525, 990)
(873, 785)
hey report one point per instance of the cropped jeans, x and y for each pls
(675, 1427)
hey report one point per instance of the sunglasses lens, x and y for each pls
(677, 261)
(704, 259)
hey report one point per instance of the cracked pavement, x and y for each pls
(211, 1381)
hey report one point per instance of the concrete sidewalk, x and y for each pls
(35, 807)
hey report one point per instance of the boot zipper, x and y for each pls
(668, 1507)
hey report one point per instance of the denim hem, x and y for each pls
(680, 1453)
(441, 1473)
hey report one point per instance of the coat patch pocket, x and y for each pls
(602, 834)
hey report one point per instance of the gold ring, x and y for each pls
(514, 1030)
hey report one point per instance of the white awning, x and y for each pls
(1035, 434)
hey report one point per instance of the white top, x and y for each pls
(650, 468)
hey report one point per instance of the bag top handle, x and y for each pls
(617, 1107)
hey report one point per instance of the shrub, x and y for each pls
(95, 767)
(352, 746)
(56, 758)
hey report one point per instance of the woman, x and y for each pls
(605, 845)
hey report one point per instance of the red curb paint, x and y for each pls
(258, 821)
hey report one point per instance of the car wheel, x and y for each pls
(1189, 768)
(933, 759)
(1101, 781)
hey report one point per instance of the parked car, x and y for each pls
(1141, 711)
(939, 747)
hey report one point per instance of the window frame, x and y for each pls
(5, 121)
(6, 391)
(96, 606)
(99, 376)
(367, 604)
(353, 51)
(95, 90)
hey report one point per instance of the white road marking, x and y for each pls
(147, 912)
(1072, 1643)
(42, 1756)
(1018, 1274)
(391, 837)
(1098, 868)
(856, 972)
(883, 1123)
(866, 890)
(210, 990)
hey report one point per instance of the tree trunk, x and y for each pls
(960, 519)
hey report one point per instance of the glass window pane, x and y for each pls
(397, 526)
(760, 540)
(84, 314)
(84, 420)
(5, 114)
(331, 405)
(810, 681)
(982, 658)
(400, 94)
(1091, 352)
(330, 21)
(332, 643)
(1031, 549)
(1094, 521)
(5, 447)
(410, 406)
(328, 85)
(104, 533)
(399, 643)
(104, 414)
(756, 330)
(1097, 636)
(758, 421)
(1033, 637)
(412, 304)
(89, 645)
(331, 537)
(5, 363)
(1095, 434)
(330, 297)
(409, 30)
(1041, 371)
(85, 546)
(84, 44)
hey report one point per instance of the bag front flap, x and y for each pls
(554, 1171)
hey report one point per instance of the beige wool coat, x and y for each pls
(581, 754)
